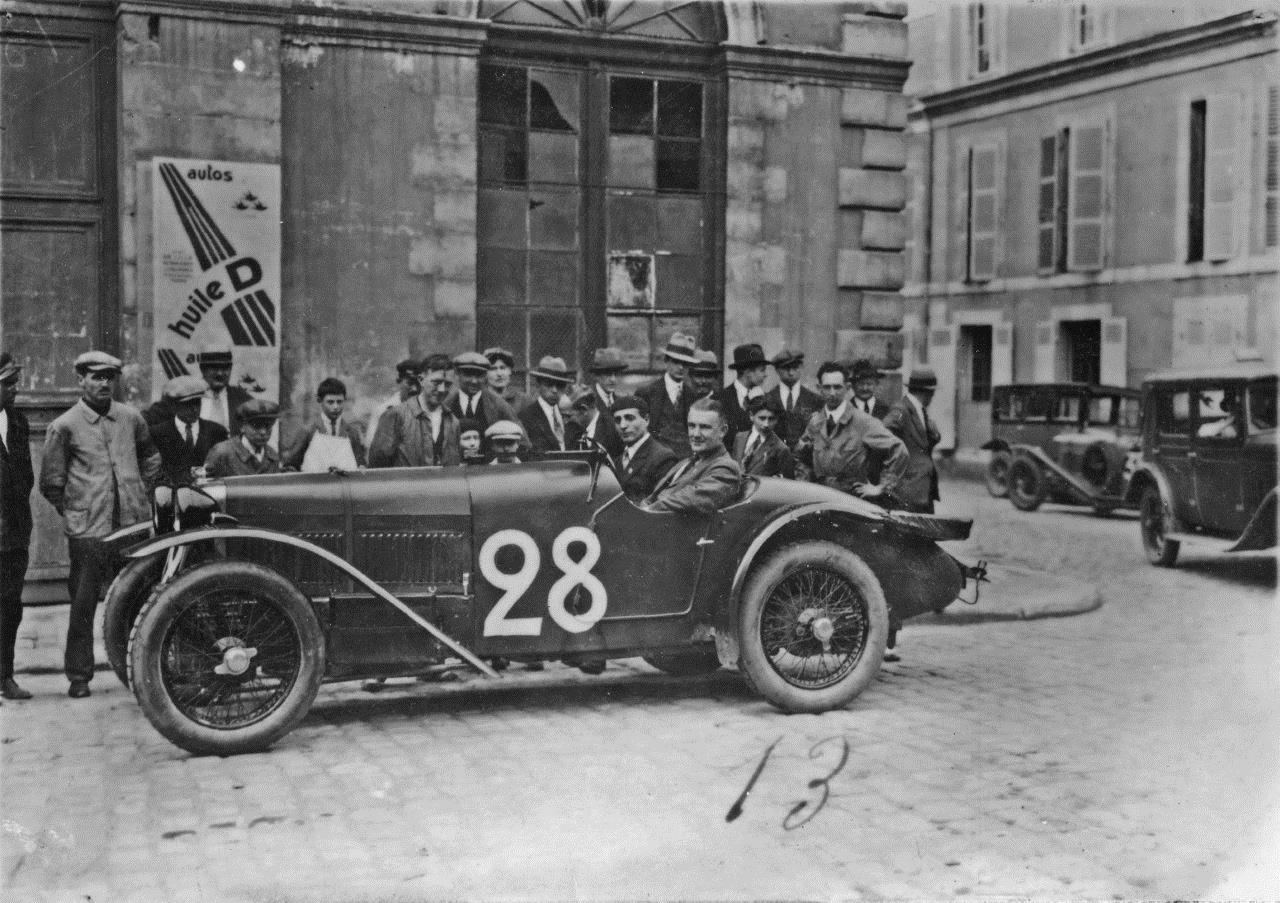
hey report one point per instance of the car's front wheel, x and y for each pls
(227, 658)
(998, 474)
(1026, 485)
(128, 593)
(1161, 551)
(813, 626)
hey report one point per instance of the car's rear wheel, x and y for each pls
(998, 474)
(686, 662)
(1026, 485)
(227, 658)
(813, 626)
(1161, 551)
(125, 598)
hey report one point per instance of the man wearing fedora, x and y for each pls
(909, 421)
(590, 423)
(248, 453)
(421, 432)
(501, 364)
(16, 481)
(98, 463)
(472, 398)
(751, 366)
(644, 460)
(707, 376)
(797, 402)
(670, 395)
(541, 417)
(759, 450)
(185, 439)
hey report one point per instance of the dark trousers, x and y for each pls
(92, 565)
(13, 570)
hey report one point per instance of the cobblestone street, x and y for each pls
(1129, 752)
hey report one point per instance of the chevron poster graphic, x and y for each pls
(216, 269)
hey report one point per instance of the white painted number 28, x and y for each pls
(515, 584)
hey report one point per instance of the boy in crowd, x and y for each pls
(332, 443)
(248, 453)
(759, 450)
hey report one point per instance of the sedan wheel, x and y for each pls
(1161, 551)
(1026, 485)
(998, 474)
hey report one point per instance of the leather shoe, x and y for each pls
(9, 689)
(592, 666)
(79, 689)
(891, 656)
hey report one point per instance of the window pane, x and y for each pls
(502, 95)
(680, 224)
(553, 279)
(499, 276)
(503, 213)
(679, 282)
(553, 101)
(679, 165)
(553, 157)
(502, 155)
(556, 333)
(631, 222)
(680, 109)
(631, 336)
(553, 219)
(630, 161)
(505, 328)
(631, 106)
(1262, 405)
(1173, 413)
(630, 282)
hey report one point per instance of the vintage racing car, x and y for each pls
(245, 594)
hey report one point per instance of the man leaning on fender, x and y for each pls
(98, 462)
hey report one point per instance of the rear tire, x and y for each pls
(998, 474)
(125, 598)
(813, 627)
(1026, 485)
(1160, 551)
(227, 658)
(686, 662)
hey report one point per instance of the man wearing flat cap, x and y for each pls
(186, 438)
(221, 400)
(504, 438)
(542, 419)
(759, 450)
(644, 460)
(16, 481)
(98, 463)
(706, 376)
(421, 432)
(472, 398)
(501, 365)
(249, 453)
(670, 395)
(909, 420)
(406, 387)
(798, 403)
(751, 366)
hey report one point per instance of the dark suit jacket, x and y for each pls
(737, 420)
(230, 458)
(538, 429)
(666, 421)
(791, 426)
(771, 458)
(17, 477)
(606, 434)
(700, 484)
(293, 453)
(176, 460)
(651, 462)
(918, 488)
(491, 409)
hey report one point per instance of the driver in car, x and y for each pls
(707, 480)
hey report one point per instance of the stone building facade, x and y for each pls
(452, 174)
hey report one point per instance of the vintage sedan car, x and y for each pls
(1070, 443)
(1208, 472)
(253, 590)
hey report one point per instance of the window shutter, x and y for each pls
(1046, 352)
(983, 203)
(1114, 365)
(996, 17)
(1048, 197)
(942, 358)
(1221, 173)
(1272, 225)
(1087, 203)
(1002, 355)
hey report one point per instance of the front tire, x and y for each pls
(686, 662)
(998, 474)
(1026, 485)
(1161, 552)
(226, 659)
(813, 627)
(128, 593)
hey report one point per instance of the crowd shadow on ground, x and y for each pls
(1243, 568)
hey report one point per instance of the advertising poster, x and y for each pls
(216, 268)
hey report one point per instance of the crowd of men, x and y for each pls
(681, 442)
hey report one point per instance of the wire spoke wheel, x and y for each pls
(814, 627)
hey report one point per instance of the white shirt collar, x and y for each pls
(635, 447)
(838, 413)
(256, 455)
(673, 388)
(4, 427)
(548, 410)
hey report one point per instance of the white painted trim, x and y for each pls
(1097, 311)
(978, 317)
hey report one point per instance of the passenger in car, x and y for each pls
(249, 452)
(644, 460)
(707, 480)
(504, 439)
(470, 438)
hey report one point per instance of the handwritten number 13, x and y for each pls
(789, 823)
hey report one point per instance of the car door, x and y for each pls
(1217, 455)
(1258, 470)
(1171, 449)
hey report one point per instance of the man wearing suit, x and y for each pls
(472, 398)
(798, 403)
(706, 375)
(221, 400)
(709, 478)
(590, 423)
(185, 439)
(331, 395)
(866, 378)
(909, 421)
(644, 460)
(16, 481)
(541, 417)
(751, 366)
(606, 367)
(759, 450)
(247, 454)
(669, 396)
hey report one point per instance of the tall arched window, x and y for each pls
(600, 178)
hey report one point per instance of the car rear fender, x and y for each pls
(822, 521)
(177, 542)
(1148, 475)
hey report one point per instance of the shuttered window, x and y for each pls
(1088, 202)
(984, 165)
(1048, 204)
(1272, 224)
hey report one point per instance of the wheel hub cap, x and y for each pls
(236, 657)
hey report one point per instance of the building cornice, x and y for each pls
(814, 66)
(1195, 39)
(239, 12)
(385, 29)
(90, 9)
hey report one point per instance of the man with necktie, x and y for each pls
(249, 453)
(751, 366)
(606, 368)
(222, 401)
(909, 421)
(590, 423)
(16, 481)
(866, 378)
(185, 439)
(798, 403)
(670, 395)
(709, 479)
(331, 441)
(644, 460)
(759, 450)
(472, 398)
(706, 375)
(542, 419)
